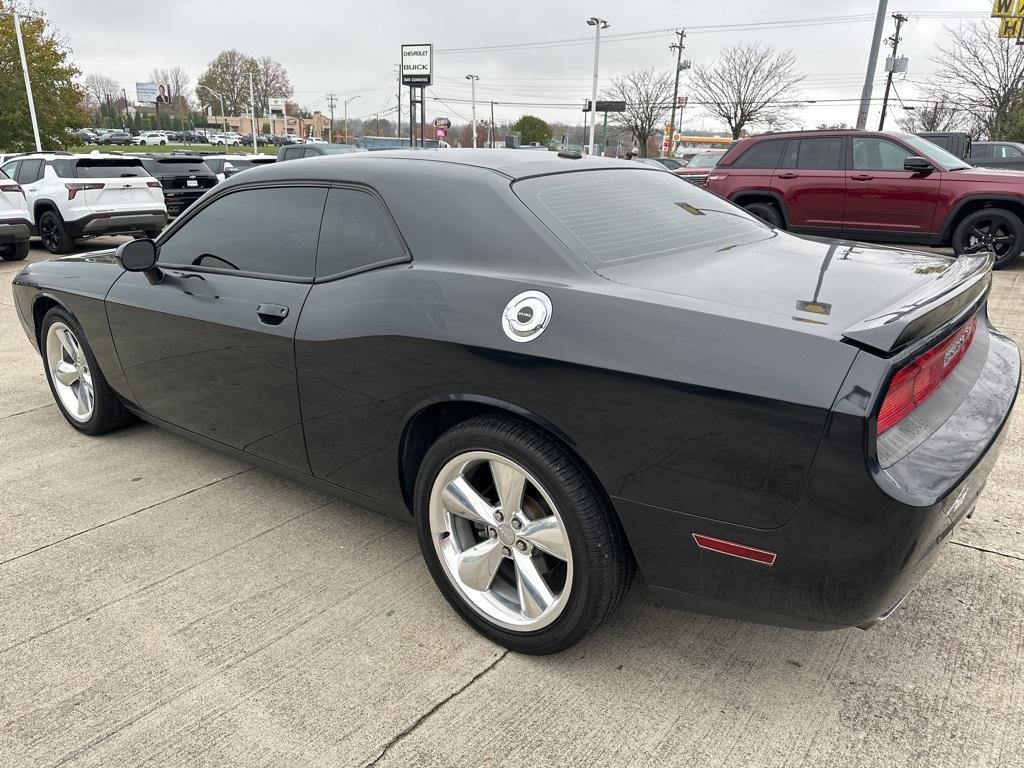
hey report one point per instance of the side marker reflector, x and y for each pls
(735, 550)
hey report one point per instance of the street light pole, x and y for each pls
(353, 98)
(332, 99)
(223, 113)
(252, 114)
(28, 82)
(598, 25)
(472, 81)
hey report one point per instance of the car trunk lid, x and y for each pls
(875, 297)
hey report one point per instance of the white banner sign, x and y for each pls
(417, 64)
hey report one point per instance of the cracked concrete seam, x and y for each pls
(124, 516)
(426, 715)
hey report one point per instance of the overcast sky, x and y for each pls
(352, 48)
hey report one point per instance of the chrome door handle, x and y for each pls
(272, 314)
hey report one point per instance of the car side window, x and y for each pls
(30, 171)
(269, 231)
(825, 154)
(11, 169)
(356, 234)
(983, 150)
(764, 154)
(1008, 150)
(872, 154)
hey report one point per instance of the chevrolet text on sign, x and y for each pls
(417, 64)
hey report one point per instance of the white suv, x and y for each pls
(79, 196)
(14, 224)
(155, 138)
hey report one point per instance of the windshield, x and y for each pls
(934, 152)
(611, 217)
(704, 161)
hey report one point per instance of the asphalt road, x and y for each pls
(163, 605)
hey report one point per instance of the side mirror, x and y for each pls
(140, 256)
(918, 165)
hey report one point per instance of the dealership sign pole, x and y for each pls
(417, 72)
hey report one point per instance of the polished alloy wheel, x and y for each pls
(69, 371)
(501, 541)
(992, 235)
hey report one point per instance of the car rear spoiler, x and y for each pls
(961, 287)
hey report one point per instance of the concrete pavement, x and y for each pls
(163, 605)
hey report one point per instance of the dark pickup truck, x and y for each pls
(184, 179)
(998, 154)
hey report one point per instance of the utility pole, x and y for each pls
(869, 77)
(894, 41)
(678, 47)
(490, 129)
(353, 98)
(332, 99)
(472, 81)
(598, 25)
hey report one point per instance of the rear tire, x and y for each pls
(538, 599)
(990, 229)
(70, 365)
(54, 234)
(766, 212)
(15, 252)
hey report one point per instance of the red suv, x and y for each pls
(866, 185)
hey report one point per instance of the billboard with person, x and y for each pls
(152, 93)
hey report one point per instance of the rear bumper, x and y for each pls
(177, 200)
(855, 547)
(16, 231)
(117, 223)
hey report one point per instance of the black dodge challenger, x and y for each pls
(558, 367)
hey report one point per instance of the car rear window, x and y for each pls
(112, 168)
(181, 165)
(704, 161)
(243, 164)
(610, 217)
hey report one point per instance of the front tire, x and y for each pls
(54, 234)
(517, 535)
(990, 229)
(15, 252)
(76, 381)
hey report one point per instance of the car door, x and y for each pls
(811, 181)
(347, 392)
(209, 348)
(882, 199)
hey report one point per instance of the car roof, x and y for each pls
(511, 163)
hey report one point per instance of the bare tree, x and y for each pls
(748, 84)
(936, 112)
(101, 89)
(648, 97)
(983, 73)
(270, 82)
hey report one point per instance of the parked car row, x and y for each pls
(64, 197)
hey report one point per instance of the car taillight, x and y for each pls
(915, 383)
(74, 189)
(11, 187)
(155, 184)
